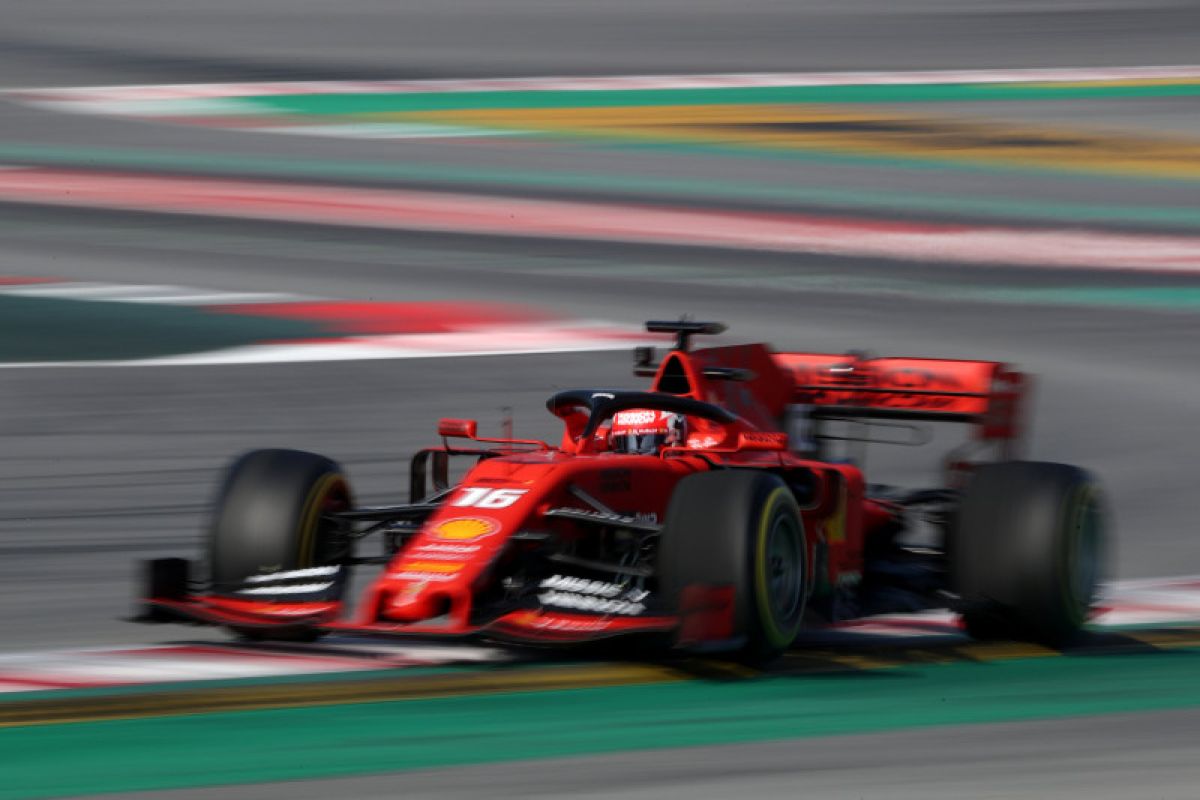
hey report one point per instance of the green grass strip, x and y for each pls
(1162, 298)
(376, 103)
(319, 742)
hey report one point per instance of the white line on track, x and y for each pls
(138, 293)
(196, 91)
(139, 664)
(383, 130)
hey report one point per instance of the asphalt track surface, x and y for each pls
(140, 41)
(101, 467)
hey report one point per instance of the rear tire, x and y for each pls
(269, 517)
(1027, 551)
(739, 531)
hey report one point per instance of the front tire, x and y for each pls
(1028, 551)
(271, 516)
(740, 532)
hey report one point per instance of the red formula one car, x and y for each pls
(719, 511)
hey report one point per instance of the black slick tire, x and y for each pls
(739, 531)
(1027, 551)
(269, 517)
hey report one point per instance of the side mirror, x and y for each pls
(460, 428)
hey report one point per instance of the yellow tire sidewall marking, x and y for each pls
(775, 636)
(311, 514)
(1074, 511)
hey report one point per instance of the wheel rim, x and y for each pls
(785, 570)
(326, 546)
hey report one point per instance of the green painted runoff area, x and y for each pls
(383, 102)
(38, 329)
(1162, 298)
(75, 759)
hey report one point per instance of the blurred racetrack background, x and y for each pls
(227, 225)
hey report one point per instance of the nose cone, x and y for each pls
(413, 604)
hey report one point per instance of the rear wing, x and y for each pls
(986, 394)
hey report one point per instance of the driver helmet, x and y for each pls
(646, 431)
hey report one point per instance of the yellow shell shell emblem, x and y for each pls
(463, 528)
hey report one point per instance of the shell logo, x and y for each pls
(461, 529)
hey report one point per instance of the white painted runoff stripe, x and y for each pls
(135, 293)
(208, 91)
(1154, 601)
(359, 130)
(140, 664)
(1160, 601)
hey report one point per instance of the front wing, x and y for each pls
(167, 598)
(522, 625)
